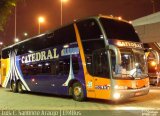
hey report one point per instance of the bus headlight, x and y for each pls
(116, 95)
(120, 87)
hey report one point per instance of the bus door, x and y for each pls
(101, 72)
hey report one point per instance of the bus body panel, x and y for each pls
(133, 84)
(102, 88)
(5, 70)
(52, 83)
(95, 87)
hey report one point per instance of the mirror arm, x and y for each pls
(117, 53)
(156, 55)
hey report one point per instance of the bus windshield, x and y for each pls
(132, 65)
(116, 29)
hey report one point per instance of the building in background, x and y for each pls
(148, 28)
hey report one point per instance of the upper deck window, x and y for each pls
(89, 29)
(5, 53)
(59, 37)
(116, 29)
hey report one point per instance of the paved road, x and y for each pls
(33, 101)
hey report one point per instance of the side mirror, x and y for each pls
(117, 53)
(156, 55)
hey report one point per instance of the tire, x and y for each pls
(14, 86)
(77, 92)
(19, 87)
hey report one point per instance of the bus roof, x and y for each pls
(51, 31)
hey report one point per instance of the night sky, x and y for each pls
(29, 11)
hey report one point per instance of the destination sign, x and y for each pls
(128, 44)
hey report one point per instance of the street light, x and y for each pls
(1, 43)
(25, 34)
(16, 40)
(1, 46)
(40, 20)
(62, 10)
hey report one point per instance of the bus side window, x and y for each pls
(89, 29)
(101, 65)
(54, 67)
(5, 53)
(113, 60)
(91, 37)
(63, 66)
(89, 64)
(64, 35)
(75, 65)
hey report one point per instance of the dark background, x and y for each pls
(29, 11)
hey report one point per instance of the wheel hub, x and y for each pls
(77, 91)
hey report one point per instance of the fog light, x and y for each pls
(117, 95)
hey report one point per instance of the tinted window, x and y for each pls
(43, 68)
(89, 29)
(92, 40)
(56, 67)
(116, 29)
(5, 53)
(31, 45)
(59, 37)
(89, 47)
(101, 65)
(64, 66)
(75, 65)
(65, 35)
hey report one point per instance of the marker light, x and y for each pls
(66, 46)
(33, 80)
(46, 64)
(153, 63)
(119, 18)
(30, 51)
(116, 95)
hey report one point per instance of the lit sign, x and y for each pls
(129, 44)
(48, 54)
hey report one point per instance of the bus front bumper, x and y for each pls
(129, 93)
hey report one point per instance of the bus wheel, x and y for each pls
(77, 92)
(14, 86)
(20, 89)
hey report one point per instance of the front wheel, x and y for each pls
(77, 92)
